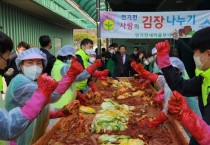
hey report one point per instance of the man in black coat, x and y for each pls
(46, 45)
(122, 60)
(11, 70)
(196, 86)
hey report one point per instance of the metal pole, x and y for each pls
(107, 39)
(98, 26)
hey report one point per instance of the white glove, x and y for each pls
(175, 34)
(161, 81)
(9, 72)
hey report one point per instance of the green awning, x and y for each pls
(68, 11)
(89, 6)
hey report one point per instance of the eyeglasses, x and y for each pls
(3, 58)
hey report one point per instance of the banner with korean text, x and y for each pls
(152, 24)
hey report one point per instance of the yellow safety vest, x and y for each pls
(198, 72)
(70, 94)
(205, 86)
(81, 85)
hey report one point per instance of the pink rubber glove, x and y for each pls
(100, 74)
(179, 108)
(159, 97)
(92, 86)
(56, 114)
(81, 97)
(92, 68)
(41, 97)
(66, 81)
(163, 59)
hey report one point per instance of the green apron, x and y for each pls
(111, 65)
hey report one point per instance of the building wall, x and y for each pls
(21, 26)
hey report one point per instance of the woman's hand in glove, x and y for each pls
(163, 49)
(75, 68)
(159, 97)
(101, 74)
(177, 105)
(46, 85)
(196, 126)
(92, 68)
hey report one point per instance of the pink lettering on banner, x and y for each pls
(147, 22)
(158, 21)
(130, 25)
(123, 25)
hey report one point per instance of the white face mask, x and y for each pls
(32, 72)
(88, 51)
(135, 52)
(92, 59)
(151, 59)
(111, 51)
(198, 63)
(146, 62)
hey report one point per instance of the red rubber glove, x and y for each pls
(146, 74)
(178, 107)
(163, 59)
(92, 86)
(145, 84)
(100, 74)
(66, 81)
(134, 65)
(158, 120)
(75, 68)
(92, 68)
(56, 114)
(159, 97)
(40, 98)
(141, 80)
(46, 85)
(67, 110)
(81, 97)
(139, 68)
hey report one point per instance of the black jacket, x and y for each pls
(11, 64)
(134, 57)
(192, 87)
(50, 61)
(121, 70)
(186, 55)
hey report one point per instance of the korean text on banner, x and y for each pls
(152, 24)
